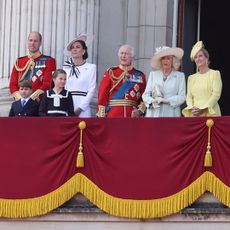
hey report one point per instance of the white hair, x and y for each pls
(127, 46)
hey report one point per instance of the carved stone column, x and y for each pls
(57, 21)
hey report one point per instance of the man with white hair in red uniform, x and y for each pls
(121, 88)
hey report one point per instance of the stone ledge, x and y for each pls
(207, 204)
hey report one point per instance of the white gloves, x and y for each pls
(158, 100)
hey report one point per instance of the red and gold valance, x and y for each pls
(137, 168)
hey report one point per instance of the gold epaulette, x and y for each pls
(35, 95)
(16, 95)
(112, 68)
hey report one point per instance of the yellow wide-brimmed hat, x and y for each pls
(165, 51)
(87, 38)
(195, 49)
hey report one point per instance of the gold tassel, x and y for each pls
(80, 156)
(80, 160)
(208, 155)
(208, 159)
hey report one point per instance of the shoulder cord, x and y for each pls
(29, 65)
(119, 79)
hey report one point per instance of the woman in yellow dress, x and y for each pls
(204, 87)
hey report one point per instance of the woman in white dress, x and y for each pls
(165, 90)
(81, 75)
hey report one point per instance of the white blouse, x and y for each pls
(81, 82)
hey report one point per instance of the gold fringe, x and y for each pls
(220, 190)
(142, 208)
(21, 208)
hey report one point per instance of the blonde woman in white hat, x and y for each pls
(81, 75)
(204, 87)
(165, 90)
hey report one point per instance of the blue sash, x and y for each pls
(126, 86)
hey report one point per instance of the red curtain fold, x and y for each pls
(37, 155)
(144, 158)
(220, 147)
(126, 158)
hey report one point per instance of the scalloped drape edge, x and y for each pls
(21, 208)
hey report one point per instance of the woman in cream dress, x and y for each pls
(204, 87)
(165, 90)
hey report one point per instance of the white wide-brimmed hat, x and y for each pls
(87, 38)
(165, 51)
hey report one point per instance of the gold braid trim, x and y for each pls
(122, 102)
(125, 70)
(30, 64)
(35, 95)
(117, 80)
(21, 208)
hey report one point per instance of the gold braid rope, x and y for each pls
(30, 64)
(208, 154)
(118, 79)
(112, 76)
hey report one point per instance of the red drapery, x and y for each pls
(133, 167)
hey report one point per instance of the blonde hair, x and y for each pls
(176, 63)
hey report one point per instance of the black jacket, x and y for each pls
(30, 109)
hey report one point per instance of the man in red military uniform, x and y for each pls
(35, 67)
(120, 91)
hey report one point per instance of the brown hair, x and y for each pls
(26, 84)
(85, 55)
(55, 74)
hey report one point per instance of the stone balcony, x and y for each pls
(207, 205)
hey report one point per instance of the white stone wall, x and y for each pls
(57, 20)
(144, 24)
(150, 30)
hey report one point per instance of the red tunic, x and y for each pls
(129, 100)
(41, 75)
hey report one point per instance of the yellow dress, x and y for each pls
(203, 92)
